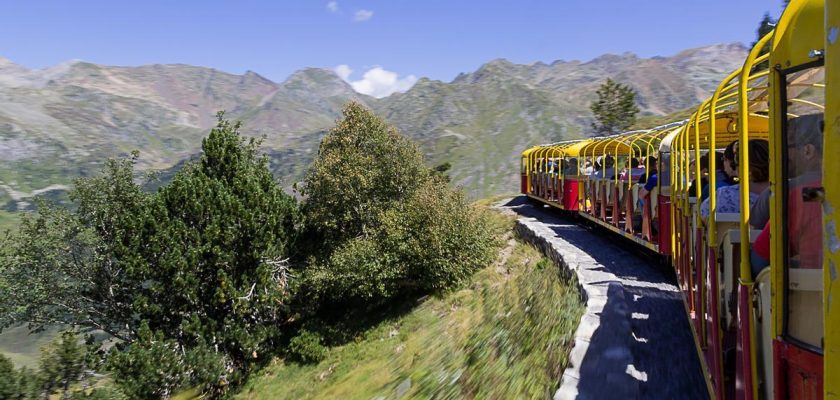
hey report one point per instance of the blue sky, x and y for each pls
(386, 42)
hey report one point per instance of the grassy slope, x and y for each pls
(650, 121)
(507, 335)
(23, 347)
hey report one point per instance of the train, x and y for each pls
(742, 200)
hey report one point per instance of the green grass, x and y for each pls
(23, 347)
(9, 221)
(651, 121)
(506, 335)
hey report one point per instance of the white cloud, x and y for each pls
(362, 15)
(344, 71)
(377, 82)
(332, 6)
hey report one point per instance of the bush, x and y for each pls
(204, 258)
(100, 393)
(212, 248)
(306, 347)
(9, 380)
(437, 237)
(154, 367)
(393, 226)
(363, 167)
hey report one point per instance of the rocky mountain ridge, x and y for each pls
(61, 122)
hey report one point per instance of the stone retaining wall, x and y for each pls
(601, 362)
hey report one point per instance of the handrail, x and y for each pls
(743, 171)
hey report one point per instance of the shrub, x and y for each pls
(100, 393)
(306, 347)
(393, 227)
(155, 367)
(363, 167)
(437, 237)
(203, 262)
(9, 380)
(212, 249)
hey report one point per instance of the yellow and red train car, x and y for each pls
(757, 257)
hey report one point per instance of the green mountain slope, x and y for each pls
(59, 123)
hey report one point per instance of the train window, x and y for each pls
(802, 213)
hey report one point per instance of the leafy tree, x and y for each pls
(155, 367)
(442, 171)
(206, 257)
(211, 250)
(9, 380)
(437, 237)
(615, 109)
(60, 269)
(63, 363)
(363, 167)
(393, 226)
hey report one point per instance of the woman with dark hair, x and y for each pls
(728, 198)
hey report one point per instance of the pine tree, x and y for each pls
(212, 249)
(204, 261)
(615, 109)
(9, 380)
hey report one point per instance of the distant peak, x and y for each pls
(320, 80)
(613, 58)
(314, 73)
(251, 75)
(500, 61)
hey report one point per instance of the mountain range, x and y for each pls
(62, 122)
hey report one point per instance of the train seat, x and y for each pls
(805, 296)
(654, 201)
(636, 188)
(730, 271)
(764, 333)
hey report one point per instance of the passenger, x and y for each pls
(587, 168)
(721, 179)
(804, 224)
(609, 167)
(760, 211)
(760, 251)
(728, 197)
(571, 167)
(703, 180)
(632, 170)
(651, 169)
(596, 169)
(650, 182)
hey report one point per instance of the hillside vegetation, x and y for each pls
(202, 282)
(506, 335)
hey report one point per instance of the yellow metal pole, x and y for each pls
(831, 217)
(743, 173)
(675, 198)
(713, 160)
